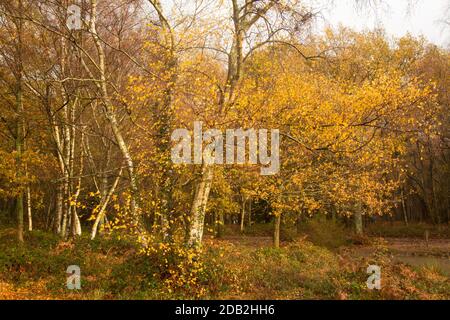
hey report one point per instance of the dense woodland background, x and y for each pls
(87, 116)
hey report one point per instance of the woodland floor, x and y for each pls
(237, 267)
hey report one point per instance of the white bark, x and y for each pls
(104, 204)
(243, 20)
(111, 117)
(243, 214)
(30, 218)
(76, 225)
(198, 208)
(59, 208)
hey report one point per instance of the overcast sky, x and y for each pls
(396, 16)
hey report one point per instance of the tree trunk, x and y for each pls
(64, 221)
(19, 213)
(250, 213)
(63, 143)
(225, 99)
(404, 210)
(111, 117)
(59, 209)
(198, 208)
(358, 221)
(19, 142)
(276, 233)
(243, 215)
(19, 137)
(106, 200)
(219, 223)
(75, 223)
(77, 228)
(163, 119)
(30, 218)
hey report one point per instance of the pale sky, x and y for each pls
(398, 17)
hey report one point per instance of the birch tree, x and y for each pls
(246, 17)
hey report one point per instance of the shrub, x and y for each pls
(323, 232)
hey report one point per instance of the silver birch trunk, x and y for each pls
(111, 117)
(105, 203)
(30, 217)
(243, 215)
(198, 208)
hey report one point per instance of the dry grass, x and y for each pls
(237, 267)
